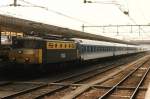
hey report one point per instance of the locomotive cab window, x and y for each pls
(21, 43)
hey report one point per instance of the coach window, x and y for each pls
(82, 48)
(98, 48)
(93, 48)
(89, 48)
(86, 48)
(117, 49)
(101, 48)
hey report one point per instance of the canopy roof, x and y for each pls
(26, 26)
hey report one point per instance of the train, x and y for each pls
(37, 50)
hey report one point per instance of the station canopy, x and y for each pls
(26, 26)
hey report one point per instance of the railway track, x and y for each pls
(123, 85)
(125, 82)
(31, 90)
(51, 88)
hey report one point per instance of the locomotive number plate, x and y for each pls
(61, 45)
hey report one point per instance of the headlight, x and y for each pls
(20, 51)
(13, 59)
(27, 59)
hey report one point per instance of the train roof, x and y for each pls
(95, 42)
(102, 43)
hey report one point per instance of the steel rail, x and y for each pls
(38, 97)
(5, 83)
(62, 87)
(22, 92)
(138, 86)
(115, 86)
(47, 84)
(69, 77)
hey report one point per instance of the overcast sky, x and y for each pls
(73, 13)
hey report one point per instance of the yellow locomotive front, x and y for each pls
(27, 56)
(43, 51)
(25, 51)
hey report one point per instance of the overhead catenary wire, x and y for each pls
(56, 12)
(114, 2)
(137, 24)
(47, 9)
(102, 2)
(141, 11)
(124, 10)
(133, 19)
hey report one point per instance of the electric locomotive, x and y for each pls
(35, 50)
